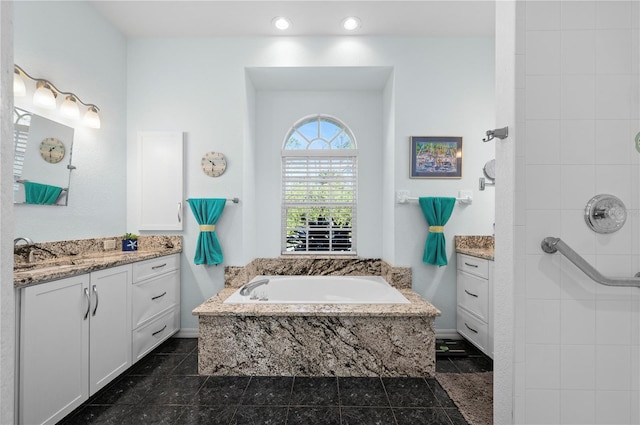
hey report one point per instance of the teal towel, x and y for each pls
(437, 212)
(207, 211)
(41, 194)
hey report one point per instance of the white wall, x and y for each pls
(71, 45)
(576, 342)
(441, 86)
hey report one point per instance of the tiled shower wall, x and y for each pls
(576, 351)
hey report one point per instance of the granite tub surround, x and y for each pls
(332, 345)
(476, 246)
(43, 262)
(398, 277)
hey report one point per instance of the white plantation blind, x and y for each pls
(20, 137)
(319, 188)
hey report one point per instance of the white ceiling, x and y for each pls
(204, 18)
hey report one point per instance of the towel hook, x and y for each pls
(500, 133)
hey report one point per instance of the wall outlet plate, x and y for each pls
(109, 244)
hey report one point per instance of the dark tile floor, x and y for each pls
(165, 388)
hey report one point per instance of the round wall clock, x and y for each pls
(52, 150)
(213, 164)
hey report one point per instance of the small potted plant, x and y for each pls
(130, 242)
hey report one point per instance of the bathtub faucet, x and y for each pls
(246, 289)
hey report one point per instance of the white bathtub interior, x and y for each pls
(321, 290)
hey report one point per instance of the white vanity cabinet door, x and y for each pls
(110, 325)
(160, 180)
(54, 350)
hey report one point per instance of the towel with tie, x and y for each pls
(207, 211)
(437, 212)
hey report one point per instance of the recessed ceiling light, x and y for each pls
(351, 23)
(281, 23)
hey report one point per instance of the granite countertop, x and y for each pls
(476, 246)
(215, 307)
(59, 260)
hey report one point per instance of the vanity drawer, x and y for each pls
(473, 329)
(473, 265)
(154, 267)
(152, 296)
(473, 294)
(154, 333)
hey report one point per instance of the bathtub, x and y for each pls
(320, 290)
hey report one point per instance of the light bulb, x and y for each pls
(44, 96)
(19, 89)
(91, 118)
(281, 23)
(69, 107)
(351, 23)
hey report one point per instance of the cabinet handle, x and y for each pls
(157, 332)
(470, 328)
(159, 296)
(470, 265)
(86, 294)
(473, 295)
(95, 291)
(179, 212)
(158, 267)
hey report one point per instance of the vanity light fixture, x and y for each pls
(351, 23)
(46, 95)
(281, 23)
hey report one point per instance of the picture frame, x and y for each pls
(436, 157)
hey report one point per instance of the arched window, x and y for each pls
(319, 187)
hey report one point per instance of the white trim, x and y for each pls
(187, 333)
(448, 334)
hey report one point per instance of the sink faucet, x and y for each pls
(26, 240)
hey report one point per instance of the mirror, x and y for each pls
(41, 160)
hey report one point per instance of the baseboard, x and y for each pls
(447, 334)
(187, 333)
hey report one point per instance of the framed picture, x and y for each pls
(436, 157)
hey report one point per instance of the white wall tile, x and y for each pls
(578, 97)
(577, 407)
(613, 97)
(542, 276)
(542, 15)
(543, 322)
(578, 14)
(542, 142)
(578, 324)
(613, 51)
(543, 188)
(613, 407)
(578, 365)
(611, 245)
(578, 52)
(542, 407)
(613, 14)
(578, 183)
(576, 233)
(542, 97)
(543, 53)
(542, 369)
(613, 363)
(614, 180)
(616, 145)
(540, 224)
(578, 141)
(613, 328)
(575, 284)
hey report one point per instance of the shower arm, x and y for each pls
(550, 245)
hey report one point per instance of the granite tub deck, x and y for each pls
(61, 259)
(389, 340)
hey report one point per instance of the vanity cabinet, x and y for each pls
(160, 180)
(475, 301)
(74, 339)
(155, 303)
